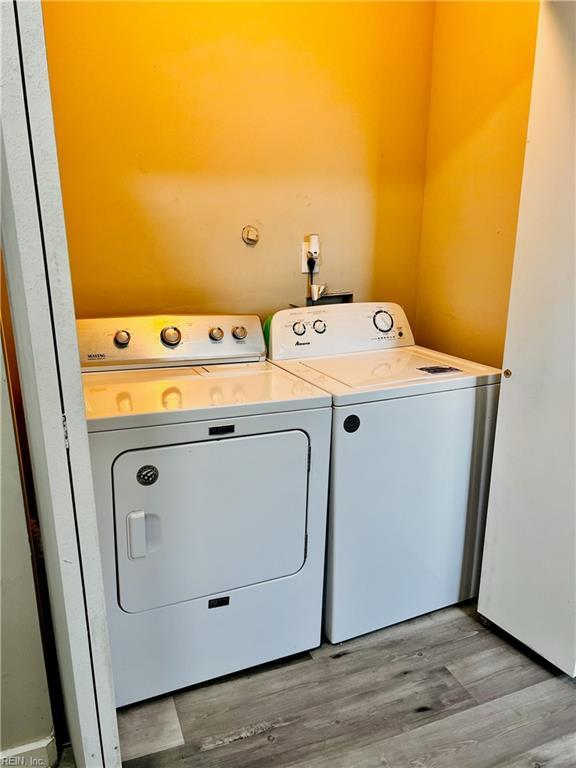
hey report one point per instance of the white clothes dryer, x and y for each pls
(211, 478)
(412, 440)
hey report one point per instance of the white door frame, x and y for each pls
(39, 286)
(528, 585)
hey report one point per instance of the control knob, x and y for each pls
(299, 328)
(319, 326)
(216, 334)
(170, 336)
(383, 321)
(239, 332)
(121, 338)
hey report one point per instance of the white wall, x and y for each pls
(26, 719)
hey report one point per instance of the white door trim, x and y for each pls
(39, 286)
(528, 585)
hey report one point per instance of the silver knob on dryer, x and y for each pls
(216, 334)
(239, 332)
(299, 328)
(121, 338)
(383, 321)
(170, 336)
(319, 326)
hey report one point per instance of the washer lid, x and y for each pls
(368, 376)
(134, 398)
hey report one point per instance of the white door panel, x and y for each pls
(222, 514)
(529, 574)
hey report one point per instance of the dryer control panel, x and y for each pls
(158, 341)
(337, 329)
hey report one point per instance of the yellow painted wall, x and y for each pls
(179, 123)
(395, 130)
(480, 95)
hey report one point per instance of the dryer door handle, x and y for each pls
(136, 531)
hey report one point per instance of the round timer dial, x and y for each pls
(171, 336)
(383, 321)
(122, 338)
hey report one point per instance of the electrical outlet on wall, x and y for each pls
(310, 245)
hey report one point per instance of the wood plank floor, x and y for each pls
(441, 691)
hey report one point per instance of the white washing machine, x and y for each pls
(211, 477)
(412, 439)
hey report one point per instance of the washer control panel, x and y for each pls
(337, 329)
(154, 341)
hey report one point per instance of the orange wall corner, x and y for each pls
(479, 103)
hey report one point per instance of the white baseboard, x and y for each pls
(34, 754)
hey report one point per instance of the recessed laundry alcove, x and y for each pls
(188, 503)
(394, 130)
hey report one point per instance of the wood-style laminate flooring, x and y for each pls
(441, 691)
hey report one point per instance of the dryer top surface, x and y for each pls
(130, 398)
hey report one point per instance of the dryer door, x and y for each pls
(204, 518)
